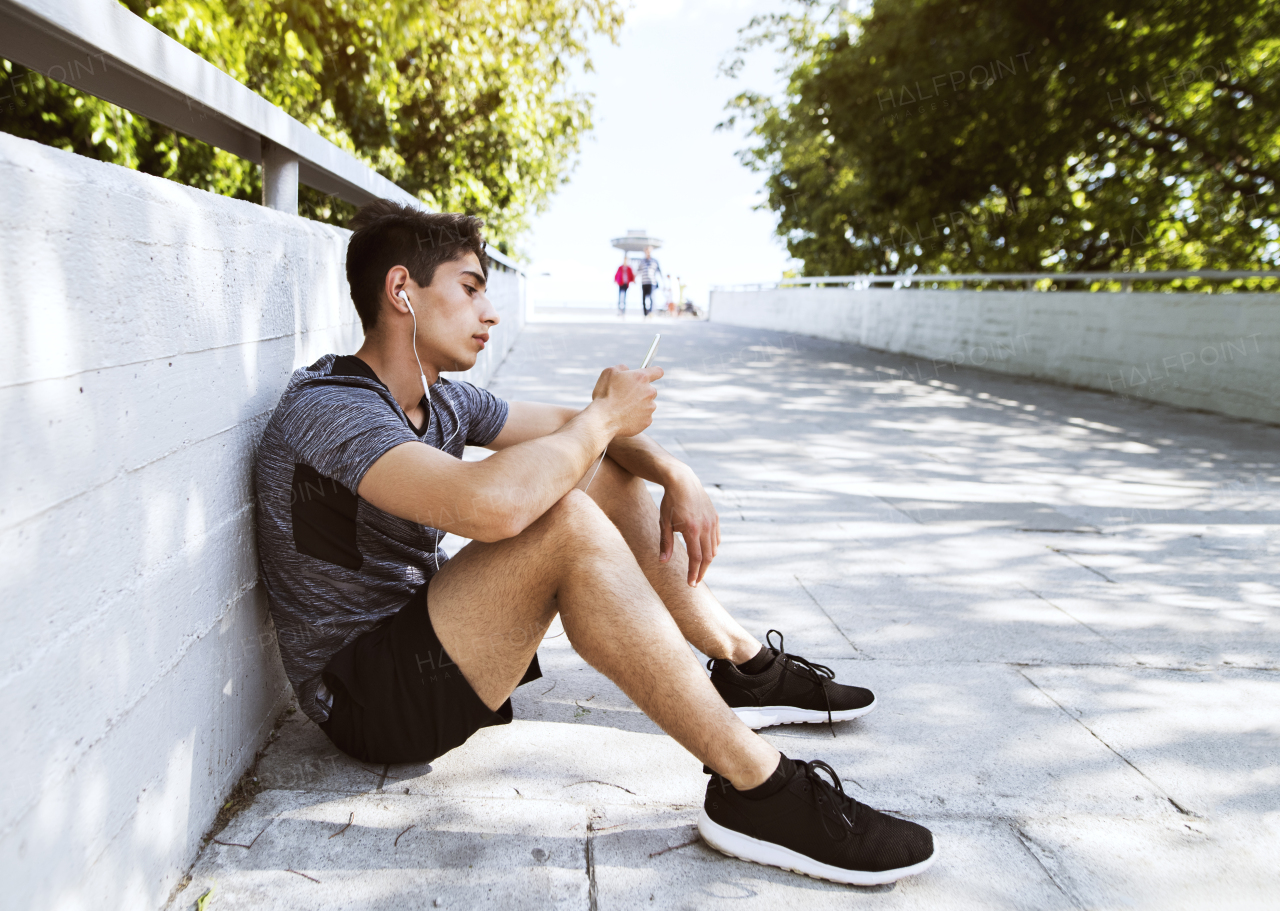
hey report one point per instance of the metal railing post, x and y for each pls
(279, 178)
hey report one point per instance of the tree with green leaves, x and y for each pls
(1022, 135)
(464, 103)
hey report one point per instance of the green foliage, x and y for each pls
(463, 103)
(1023, 135)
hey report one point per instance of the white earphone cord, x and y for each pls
(413, 342)
(593, 474)
(426, 391)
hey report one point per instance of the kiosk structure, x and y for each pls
(634, 243)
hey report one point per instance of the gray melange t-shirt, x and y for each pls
(334, 565)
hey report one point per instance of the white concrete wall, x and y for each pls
(149, 330)
(1215, 352)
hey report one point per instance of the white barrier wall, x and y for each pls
(1214, 352)
(149, 330)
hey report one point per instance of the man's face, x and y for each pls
(648, 252)
(455, 316)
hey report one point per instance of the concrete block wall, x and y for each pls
(1213, 352)
(149, 329)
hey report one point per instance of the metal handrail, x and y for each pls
(99, 47)
(1126, 278)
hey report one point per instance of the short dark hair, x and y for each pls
(388, 234)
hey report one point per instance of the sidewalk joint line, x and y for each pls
(898, 509)
(818, 604)
(1081, 565)
(1177, 806)
(1023, 839)
(1067, 613)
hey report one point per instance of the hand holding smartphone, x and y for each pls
(648, 358)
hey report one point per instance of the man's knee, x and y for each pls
(611, 479)
(573, 509)
(577, 516)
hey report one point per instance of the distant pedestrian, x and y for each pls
(623, 279)
(649, 273)
(675, 294)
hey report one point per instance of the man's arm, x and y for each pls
(500, 496)
(531, 420)
(686, 508)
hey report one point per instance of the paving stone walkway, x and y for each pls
(1067, 603)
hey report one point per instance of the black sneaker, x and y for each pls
(790, 690)
(812, 827)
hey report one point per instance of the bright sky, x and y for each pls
(655, 161)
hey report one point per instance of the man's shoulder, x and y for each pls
(481, 413)
(333, 374)
(337, 423)
(333, 390)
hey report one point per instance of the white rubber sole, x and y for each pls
(744, 847)
(769, 715)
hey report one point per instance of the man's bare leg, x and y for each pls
(492, 604)
(702, 619)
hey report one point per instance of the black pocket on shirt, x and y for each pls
(324, 518)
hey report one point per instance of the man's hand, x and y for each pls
(687, 509)
(628, 397)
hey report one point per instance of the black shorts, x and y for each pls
(398, 697)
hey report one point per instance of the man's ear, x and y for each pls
(396, 281)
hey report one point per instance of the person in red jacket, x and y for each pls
(623, 279)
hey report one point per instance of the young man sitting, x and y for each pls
(400, 655)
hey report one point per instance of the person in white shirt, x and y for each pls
(649, 272)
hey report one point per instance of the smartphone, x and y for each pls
(648, 358)
(653, 349)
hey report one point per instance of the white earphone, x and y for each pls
(426, 389)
